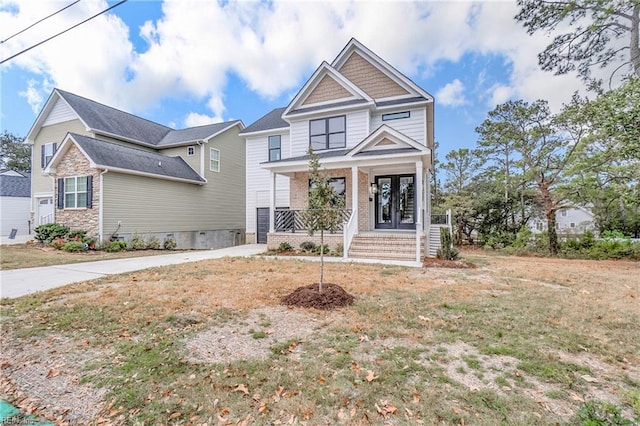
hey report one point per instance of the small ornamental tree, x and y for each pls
(324, 211)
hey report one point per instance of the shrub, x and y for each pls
(596, 413)
(339, 251)
(308, 246)
(153, 243)
(447, 251)
(138, 242)
(57, 243)
(169, 244)
(284, 246)
(325, 249)
(46, 233)
(76, 235)
(74, 246)
(115, 246)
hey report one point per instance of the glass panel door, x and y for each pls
(395, 202)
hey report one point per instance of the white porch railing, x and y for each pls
(349, 231)
(46, 219)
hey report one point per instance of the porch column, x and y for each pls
(272, 201)
(354, 197)
(420, 213)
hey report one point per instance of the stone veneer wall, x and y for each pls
(299, 190)
(74, 163)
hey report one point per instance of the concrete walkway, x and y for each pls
(20, 282)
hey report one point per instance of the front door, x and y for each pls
(395, 202)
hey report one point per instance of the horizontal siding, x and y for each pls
(60, 113)
(50, 134)
(357, 130)
(258, 178)
(414, 126)
(15, 215)
(145, 204)
(193, 161)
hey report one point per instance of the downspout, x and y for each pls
(101, 206)
(201, 145)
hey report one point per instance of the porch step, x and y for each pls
(384, 246)
(434, 240)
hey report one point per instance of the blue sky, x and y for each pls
(191, 62)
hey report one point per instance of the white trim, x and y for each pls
(151, 175)
(211, 149)
(329, 111)
(265, 132)
(101, 206)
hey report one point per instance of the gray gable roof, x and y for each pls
(271, 120)
(15, 186)
(108, 154)
(194, 133)
(108, 120)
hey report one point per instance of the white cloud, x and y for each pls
(272, 46)
(452, 94)
(33, 96)
(195, 119)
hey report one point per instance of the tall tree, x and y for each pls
(545, 147)
(601, 32)
(14, 154)
(461, 166)
(325, 206)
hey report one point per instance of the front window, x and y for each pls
(214, 164)
(75, 192)
(274, 147)
(47, 153)
(328, 133)
(339, 187)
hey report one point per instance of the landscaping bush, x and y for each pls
(339, 251)
(115, 246)
(46, 233)
(153, 243)
(76, 235)
(325, 249)
(57, 243)
(447, 250)
(308, 246)
(74, 246)
(138, 242)
(284, 246)
(169, 244)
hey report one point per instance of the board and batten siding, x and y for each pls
(414, 127)
(357, 130)
(258, 178)
(54, 133)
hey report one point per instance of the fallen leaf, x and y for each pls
(174, 415)
(576, 397)
(53, 373)
(371, 376)
(355, 368)
(242, 388)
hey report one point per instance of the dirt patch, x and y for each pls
(433, 262)
(332, 297)
(254, 336)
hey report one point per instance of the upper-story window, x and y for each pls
(328, 133)
(275, 147)
(191, 151)
(396, 115)
(46, 153)
(214, 160)
(75, 192)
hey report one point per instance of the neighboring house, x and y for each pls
(15, 196)
(372, 128)
(114, 174)
(574, 220)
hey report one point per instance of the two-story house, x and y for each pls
(372, 128)
(113, 174)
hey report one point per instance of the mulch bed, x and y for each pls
(333, 296)
(432, 262)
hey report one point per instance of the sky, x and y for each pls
(185, 63)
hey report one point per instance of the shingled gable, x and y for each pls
(111, 156)
(324, 71)
(270, 121)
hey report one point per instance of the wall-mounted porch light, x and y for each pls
(374, 188)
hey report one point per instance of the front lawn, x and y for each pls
(514, 341)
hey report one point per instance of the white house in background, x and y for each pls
(574, 220)
(15, 202)
(372, 129)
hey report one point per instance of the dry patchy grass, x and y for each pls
(517, 340)
(18, 256)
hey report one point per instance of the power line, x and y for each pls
(36, 23)
(62, 32)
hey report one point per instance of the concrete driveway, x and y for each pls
(20, 282)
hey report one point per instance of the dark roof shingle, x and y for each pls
(271, 120)
(109, 154)
(15, 186)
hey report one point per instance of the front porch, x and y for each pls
(383, 244)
